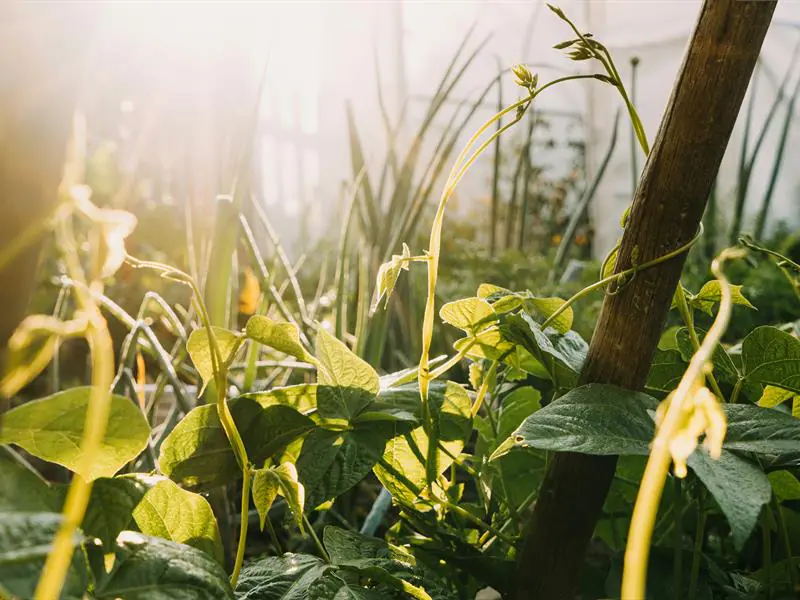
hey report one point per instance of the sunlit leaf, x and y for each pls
(773, 396)
(51, 428)
(346, 383)
(388, 274)
(284, 337)
(168, 512)
(547, 306)
(469, 314)
(199, 350)
(711, 293)
(269, 482)
(286, 577)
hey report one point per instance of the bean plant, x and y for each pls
(146, 512)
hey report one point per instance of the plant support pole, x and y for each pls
(665, 214)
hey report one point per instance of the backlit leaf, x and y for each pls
(200, 350)
(711, 294)
(346, 383)
(178, 515)
(51, 428)
(283, 337)
(468, 314)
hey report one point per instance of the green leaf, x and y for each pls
(547, 306)
(168, 512)
(22, 490)
(197, 453)
(344, 546)
(785, 486)
(561, 355)
(25, 542)
(111, 506)
(489, 344)
(516, 407)
(286, 577)
(301, 397)
(269, 482)
(284, 337)
(332, 462)
(666, 371)
(774, 396)
(592, 419)
(724, 368)
(403, 461)
(711, 293)
(200, 350)
(347, 384)
(151, 568)
(468, 314)
(740, 488)
(51, 428)
(761, 430)
(772, 357)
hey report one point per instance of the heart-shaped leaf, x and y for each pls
(468, 314)
(346, 384)
(151, 568)
(283, 480)
(199, 349)
(51, 428)
(286, 577)
(168, 512)
(197, 453)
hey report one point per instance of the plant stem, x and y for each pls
(243, 523)
(787, 542)
(320, 548)
(736, 389)
(101, 347)
(686, 314)
(766, 549)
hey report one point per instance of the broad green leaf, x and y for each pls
(772, 357)
(346, 384)
(286, 577)
(181, 516)
(301, 397)
(774, 396)
(284, 337)
(489, 344)
(785, 486)
(761, 430)
(485, 290)
(22, 490)
(469, 314)
(592, 419)
(344, 546)
(740, 488)
(197, 453)
(151, 568)
(269, 482)
(403, 461)
(200, 350)
(666, 371)
(724, 368)
(516, 407)
(25, 541)
(561, 355)
(111, 506)
(547, 306)
(332, 462)
(711, 293)
(51, 428)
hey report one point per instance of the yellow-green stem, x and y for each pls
(645, 510)
(58, 561)
(686, 314)
(243, 522)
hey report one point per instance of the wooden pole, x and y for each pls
(666, 213)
